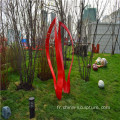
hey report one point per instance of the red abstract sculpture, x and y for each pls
(61, 83)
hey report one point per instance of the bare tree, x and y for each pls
(22, 17)
(84, 60)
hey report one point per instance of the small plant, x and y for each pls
(44, 72)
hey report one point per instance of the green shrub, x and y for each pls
(44, 72)
(13, 58)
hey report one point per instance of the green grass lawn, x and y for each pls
(48, 107)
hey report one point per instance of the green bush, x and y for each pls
(13, 58)
(44, 72)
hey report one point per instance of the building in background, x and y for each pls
(107, 31)
(89, 14)
(114, 17)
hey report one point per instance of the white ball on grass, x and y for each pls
(104, 62)
(101, 84)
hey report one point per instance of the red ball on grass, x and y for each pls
(95, 68)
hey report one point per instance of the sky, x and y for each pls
(109, 6)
